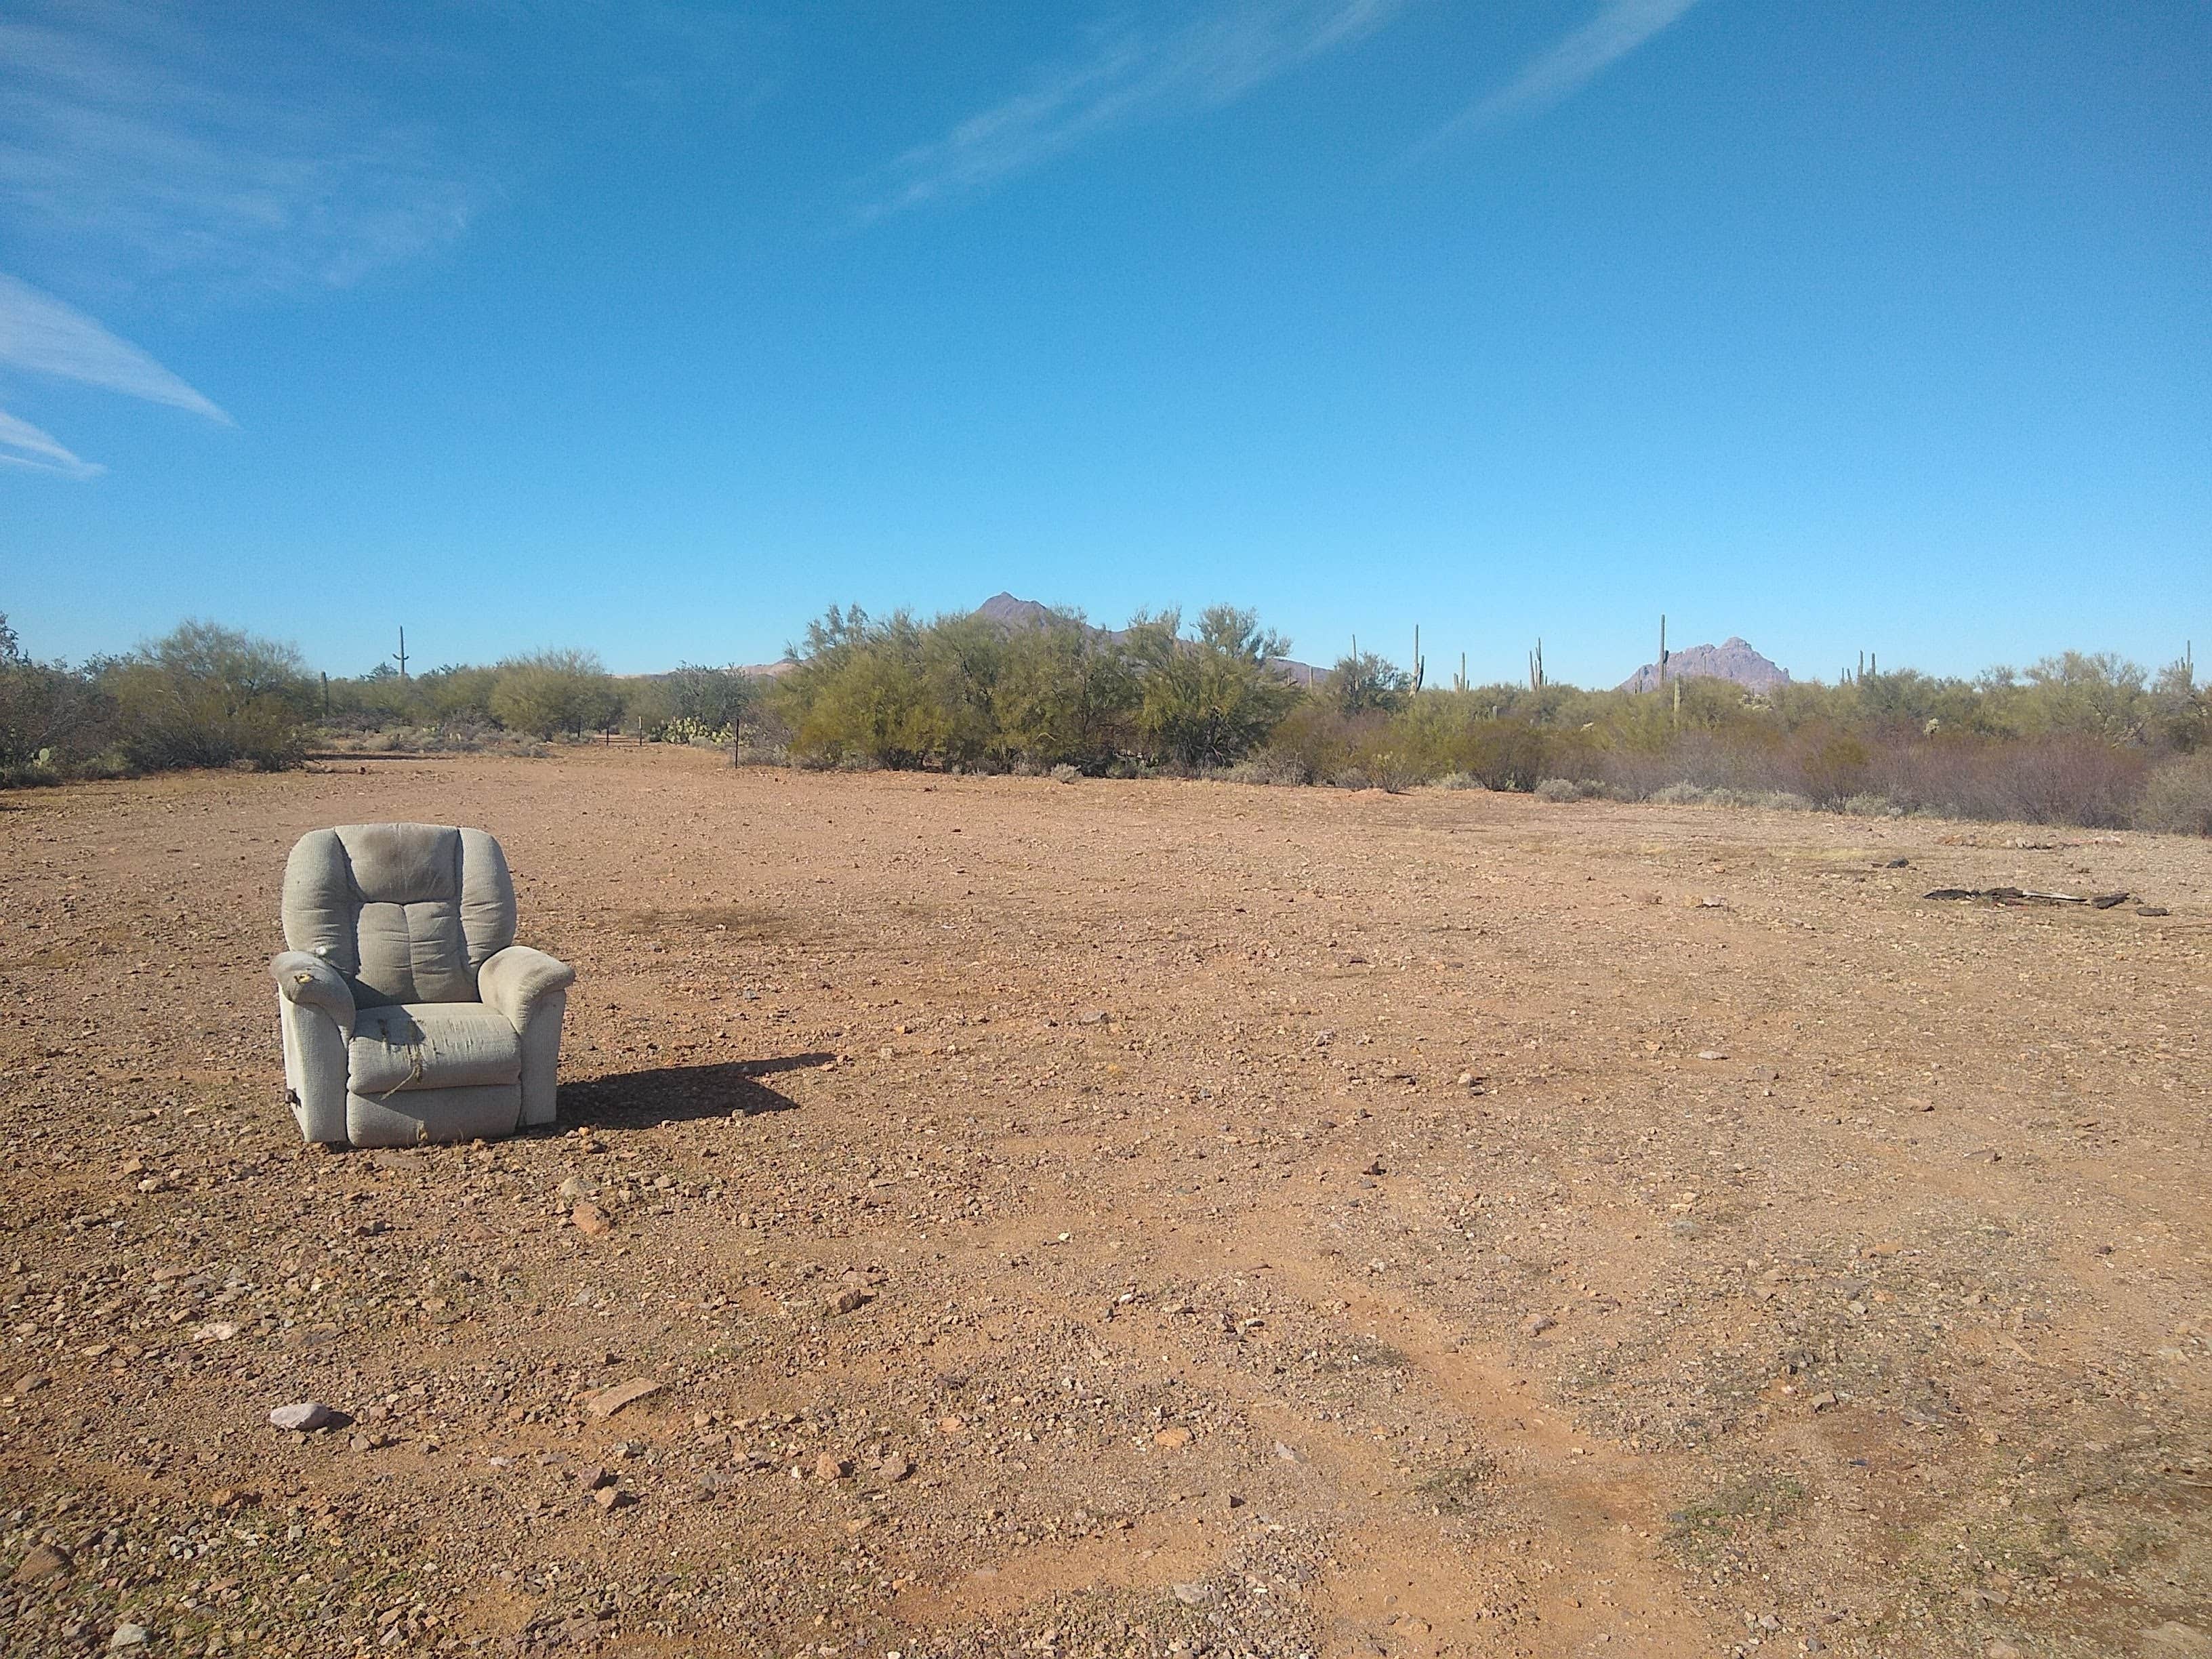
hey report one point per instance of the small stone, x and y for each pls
(607, 1401)
(576, 1187)
(847, 1300)
(831, 1466)
(590, 1220)
(1537, 1324)
(43, 1562)
(221, 1330)
(127, 1637)
(597, 1478)
(1174, 1437)
(612, 1497)
(895, 1468)
(304, 1417)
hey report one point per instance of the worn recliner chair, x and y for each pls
(408, 1012)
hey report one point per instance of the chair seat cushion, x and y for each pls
(431, 1045)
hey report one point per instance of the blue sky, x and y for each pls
(658, 327)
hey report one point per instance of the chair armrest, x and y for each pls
(311, 980)
(515, 979)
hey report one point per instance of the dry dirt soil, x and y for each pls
(1122, 1219)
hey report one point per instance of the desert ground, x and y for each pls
(1122, 1219)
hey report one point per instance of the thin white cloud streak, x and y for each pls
(143, 145)
(40, 333)
(24, 445)
(1128, 77)
(1615, 31)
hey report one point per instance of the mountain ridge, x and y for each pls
(1733, 659)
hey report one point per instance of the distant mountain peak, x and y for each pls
(1008, 611)
(1734, 660)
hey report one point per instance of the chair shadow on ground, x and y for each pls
(678, 1094)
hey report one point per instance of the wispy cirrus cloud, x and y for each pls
(1129, 75)
(144, 154)
(144, 145)
(24, 445)
(40, 333)
(1618, 30)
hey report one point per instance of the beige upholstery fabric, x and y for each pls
(415, 1116)
(315, 1067)
(432, 1045)
(406, 1010)
(404, 912)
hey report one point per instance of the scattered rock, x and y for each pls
(1174, 1437)
(596, 1479)
(303, 1416)
(831, 1466)
(850, 1299)
(895, 1468)
(590, 1220)
(612, 1497)
(127, 1637)
(609, 1400)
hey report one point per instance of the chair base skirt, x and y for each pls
(415, 1116)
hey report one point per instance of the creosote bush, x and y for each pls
(210, 695)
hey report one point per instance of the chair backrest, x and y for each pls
(405, 911)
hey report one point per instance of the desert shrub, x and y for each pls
(1683, 794)
(1269, 766)
(1459, 780)
(2177, 796)
(1064, 773)
(1869, 806)
(1210, 700)
(209, 696)
(555, 692)
(54, 721)
(1559, 789)
(1362, 683)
